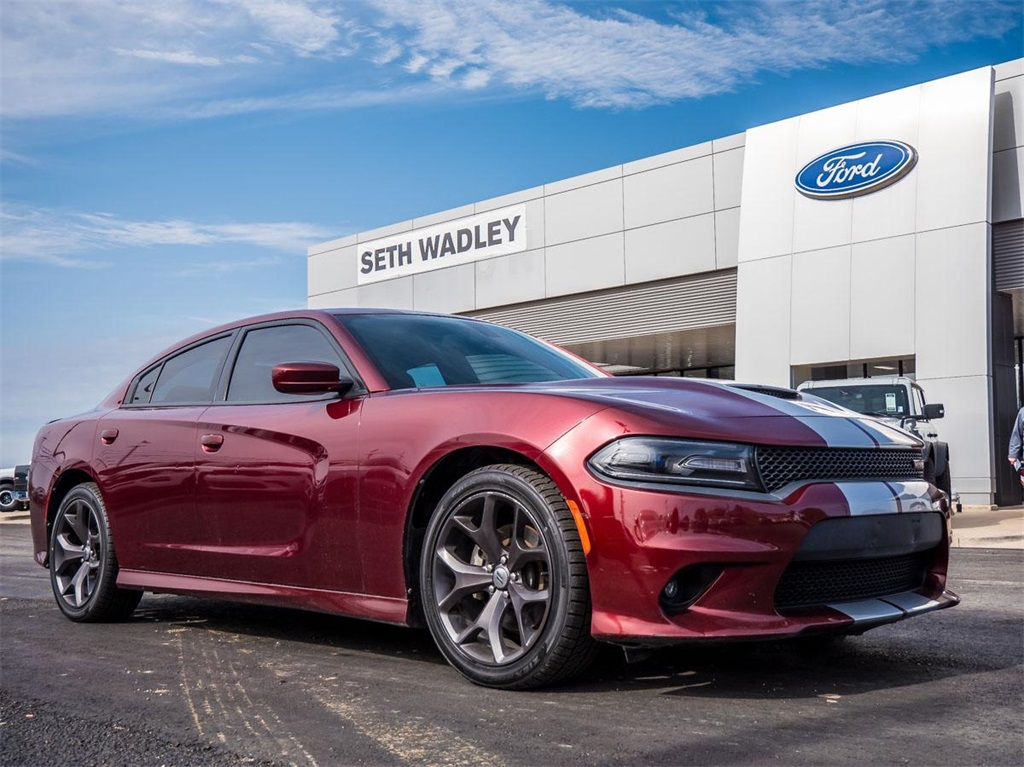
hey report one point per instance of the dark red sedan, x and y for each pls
(410, 468)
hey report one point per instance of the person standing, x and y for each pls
(1016, 453)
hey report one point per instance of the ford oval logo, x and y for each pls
(856, 169)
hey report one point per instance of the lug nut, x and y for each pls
(490, 589)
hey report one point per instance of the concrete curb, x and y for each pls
(980, 527)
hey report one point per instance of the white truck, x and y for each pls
(898, 401)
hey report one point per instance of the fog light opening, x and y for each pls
(671, 590)
(687, 586)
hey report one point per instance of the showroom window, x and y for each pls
(889, 366)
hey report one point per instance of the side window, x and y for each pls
(144, 387)
(191, 376)
(918, 400)
(264, 348)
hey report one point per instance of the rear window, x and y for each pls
(191, 377)
(417, 351)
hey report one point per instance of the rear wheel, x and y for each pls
(504, 580)
(83, 563)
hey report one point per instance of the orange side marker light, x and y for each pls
(580, 526)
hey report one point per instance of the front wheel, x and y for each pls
(504, 580)
(8, 501)
(83, 563)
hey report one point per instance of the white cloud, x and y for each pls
(319, 99)
(73, 239)
(125, 57)
(172, 57)
(619, 58)
(201, 58)
(306, 29)
(13, 158)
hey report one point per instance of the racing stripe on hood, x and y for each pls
(865, 498)
(837, 426)
(838, 431)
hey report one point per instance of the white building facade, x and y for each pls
(710, 261)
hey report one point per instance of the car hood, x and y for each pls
(713, 410)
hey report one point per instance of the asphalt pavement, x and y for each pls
(194, 682)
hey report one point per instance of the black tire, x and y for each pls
(941, 481)
(83, 563)
(944, 482)
(7, 500)
(504, 580)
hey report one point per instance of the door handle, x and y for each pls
(211, 442)
(107, 436)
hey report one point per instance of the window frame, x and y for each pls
(137, 382)
(345, 367)
(217, 375)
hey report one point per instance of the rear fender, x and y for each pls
(61, 452)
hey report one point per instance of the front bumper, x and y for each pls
(746, 552)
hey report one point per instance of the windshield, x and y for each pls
(882, 400)
(414, 350)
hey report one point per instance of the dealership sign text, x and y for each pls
(485, 235)
(856, 169)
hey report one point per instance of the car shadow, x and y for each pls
(342, 635)
(905, 654)
(943, 645)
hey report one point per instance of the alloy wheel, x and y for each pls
(77, 553)
(492, 578)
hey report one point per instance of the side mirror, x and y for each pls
(309, 378)
(931, 412)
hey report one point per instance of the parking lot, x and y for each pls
(200, 682)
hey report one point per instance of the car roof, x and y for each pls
(872, 381)
(325, 315)
(322, 314)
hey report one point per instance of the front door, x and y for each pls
(277, 473)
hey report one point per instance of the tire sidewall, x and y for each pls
(498, 480)
(105, 571)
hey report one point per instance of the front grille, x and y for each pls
(781, 465)
(817, 583)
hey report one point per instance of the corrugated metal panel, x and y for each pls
(1008, 254)
(696, 301)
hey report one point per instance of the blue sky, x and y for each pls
(165, 164)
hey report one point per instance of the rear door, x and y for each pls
(278, 473)
(145, 456)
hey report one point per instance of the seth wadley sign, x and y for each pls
(485, 235)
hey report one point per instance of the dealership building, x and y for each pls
(877, 237)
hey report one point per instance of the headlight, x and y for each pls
(679, 462)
